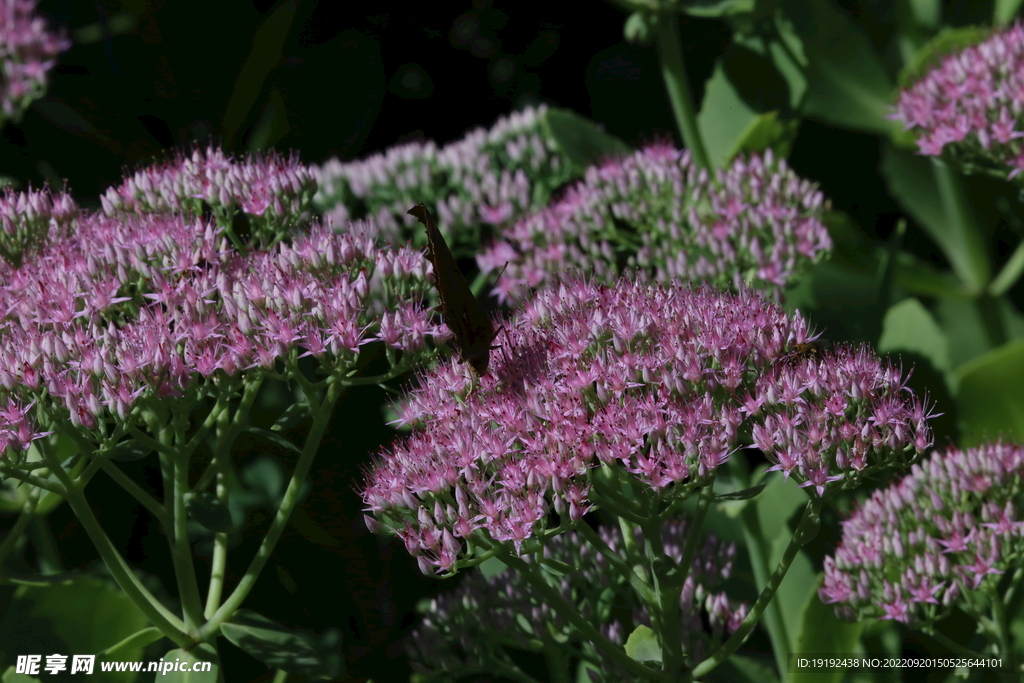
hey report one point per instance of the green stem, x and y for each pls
(181, 551)
(636, 580)
(1009, 672)
(28, 512)
(160, 616)
(810, 518)
(218, 566)
(962, 245)
(586, 629)
(288, 502)
(673, 71)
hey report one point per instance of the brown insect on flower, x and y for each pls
(472, 331)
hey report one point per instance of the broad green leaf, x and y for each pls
(1004, 11)
(849, 86)
(10, 676)
(716, 9)
(946, 42)
(909, 326)
(990, 395)
(277, 646)
(273, 437)
(724, 117)
(741, 668)
(926, 13)
(820, 632)
(290, 417)
(582, 141)
(922, 278)
(129, 451)
(915, 182)
(745, 494)
(195, 662)
(642, 645)
(82, 616)
(766, 131)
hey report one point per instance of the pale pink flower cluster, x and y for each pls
(28, 50)
(970, 106)
(662, 382)
(913, 549)
(28, 219)
(489, 177)
(138, 307)
(272, 190)
(656, 215)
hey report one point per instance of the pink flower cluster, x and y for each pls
(268, 187)
(970, 106)
(124, 309)
(663, 382)
(912, 550)
(27, 219)
(28, 50)
(465, 629)
(490, 176)
(657, 215)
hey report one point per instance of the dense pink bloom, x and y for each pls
(121, 310)
(465, 629)
(489, 177)
(28, 219)
(912, 549)
(970, 106)
(272, 190)
(663, 382)
(28, 50)
(657, 215)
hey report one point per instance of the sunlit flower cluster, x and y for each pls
(662, 383)
(658, 216)
(970, 108)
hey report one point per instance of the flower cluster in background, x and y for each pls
(28, 50)
(30, 218)
(663, 382)
(273, 191)
(125, 308)
(465, 631)
(932, 539)
(489, 177)
(969, 107)
(657, 215)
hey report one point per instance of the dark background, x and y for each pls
(348, 79)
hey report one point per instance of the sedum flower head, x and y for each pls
(28, 50)
(466, 629)
(657, 214)
(489, 177)
(271, 190)
(661, 383)
(917, 548)
(130, 309)
(28, 219)
(969, 107)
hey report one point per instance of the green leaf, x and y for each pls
(724, 117)
(715, 9)
(745, 494)
(11, 677)
(642, 645)
(743, 668)
(290, 417)
(201, 655)
(276, 645)
(821, 632)
(946, 42)
(582, 141)
(990, 395)
(909, 326)
(1005, 11)
(146, 636)
(128, 451)
(208, 510)
(273, 437)
(85, 615)
(849, 86)
(766, 131)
